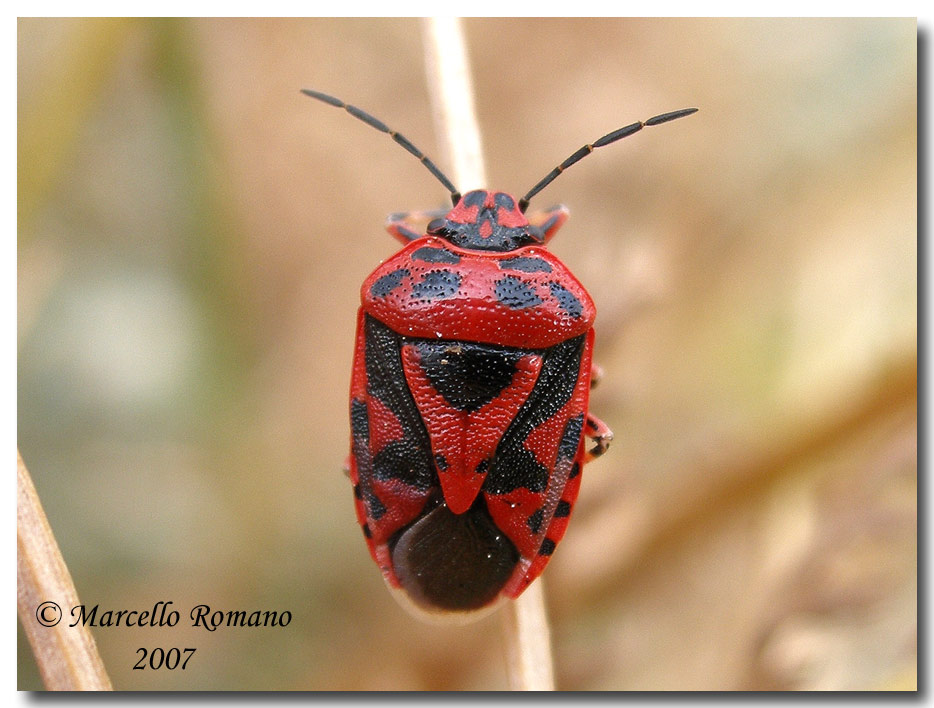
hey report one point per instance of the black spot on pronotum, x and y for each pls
(389, 282)
(437, 285)
(429, 254)
(566, 299)
(526, 264)
(515, 293)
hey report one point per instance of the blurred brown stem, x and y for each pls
(528, 644)
(67, 656)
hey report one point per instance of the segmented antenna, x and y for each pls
(398, 137)
(618, 134)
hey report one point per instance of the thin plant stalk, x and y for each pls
(525, 621)
(67, 656)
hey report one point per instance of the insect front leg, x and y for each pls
(410, 225)
(596, 374)
(548, 222)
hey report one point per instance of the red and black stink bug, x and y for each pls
(469, 395)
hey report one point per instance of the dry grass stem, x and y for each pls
(67, 656)
(528, 643)
(451, 91)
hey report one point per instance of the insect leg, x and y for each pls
(596, 374)
(410, 225)
(600, 433)
(548, 222)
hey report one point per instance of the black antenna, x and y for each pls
(605, 140)
(398, 137)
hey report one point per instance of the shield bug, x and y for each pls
(469, 394)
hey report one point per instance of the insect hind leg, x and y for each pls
(600, 433)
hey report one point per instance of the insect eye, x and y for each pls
(436, 226)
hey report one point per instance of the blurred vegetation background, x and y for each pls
(192, 236)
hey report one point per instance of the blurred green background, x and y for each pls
(192, 235)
